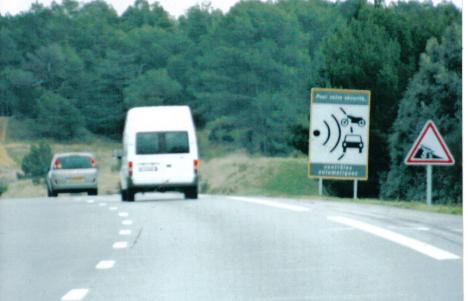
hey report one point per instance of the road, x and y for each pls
(162, 247)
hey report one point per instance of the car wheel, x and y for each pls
(93, 192)
(51, 193)
(123, 195)
(191, 192)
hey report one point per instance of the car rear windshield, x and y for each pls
(353, 138)
(151, 143)
(75, 162)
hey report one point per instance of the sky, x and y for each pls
(174, 7)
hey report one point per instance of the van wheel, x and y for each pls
(127, 196)
(191, 192)
(131, 195)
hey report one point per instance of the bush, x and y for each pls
(36, 163)
(3, 187)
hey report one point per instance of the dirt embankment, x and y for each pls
(6, 163)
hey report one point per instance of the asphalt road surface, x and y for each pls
(163, 247)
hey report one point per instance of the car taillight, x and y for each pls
(195, 165)
(93, 162)
(57, 164)
(130, 168)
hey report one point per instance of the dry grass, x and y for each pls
(5, 159)
(3, 128)
(6, 163)
(24, 189)
(239, 173)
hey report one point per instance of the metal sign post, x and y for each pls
(429, 185)
(320, 186)
(355, 189)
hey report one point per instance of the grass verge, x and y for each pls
(413, 205)
(283, 177)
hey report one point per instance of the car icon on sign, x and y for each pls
(353, 141)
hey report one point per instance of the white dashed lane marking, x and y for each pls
(123, 214)
(125, 232)
(120, 245)
(105, 264)
(90, 201)
(127, 222)
(102, 204)
(113, 208)
(75, 294)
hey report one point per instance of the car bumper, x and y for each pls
(142, 187)
(73, 187)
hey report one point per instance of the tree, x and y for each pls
(36, 163)
(142, 13)
(257, 61)
(57, 117)
(433, 93)
(363, 55)
(19, 90)
(154, 87)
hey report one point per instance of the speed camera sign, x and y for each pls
(339, 134)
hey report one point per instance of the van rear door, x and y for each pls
(163, 158)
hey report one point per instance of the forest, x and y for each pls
(72, 70)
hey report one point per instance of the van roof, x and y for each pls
(159, 118)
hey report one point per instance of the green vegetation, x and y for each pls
(240, 173)
(36, 163)
(71, 71)
(3, 187)
(434, 92)
(288, 177)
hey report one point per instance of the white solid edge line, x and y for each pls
(105, 264)
(271, 204)
(75, 294)
(120, 245)
(125, 232)
(411, 243)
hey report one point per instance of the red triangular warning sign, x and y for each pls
(429, 148)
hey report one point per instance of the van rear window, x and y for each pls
(151, 143)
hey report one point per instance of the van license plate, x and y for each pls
(148, 168)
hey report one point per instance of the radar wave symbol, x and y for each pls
(329, 133)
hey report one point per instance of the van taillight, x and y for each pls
(195, 165)
(93, 162)
(57, 164)
(130, 168)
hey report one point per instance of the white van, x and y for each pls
(160, 152)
